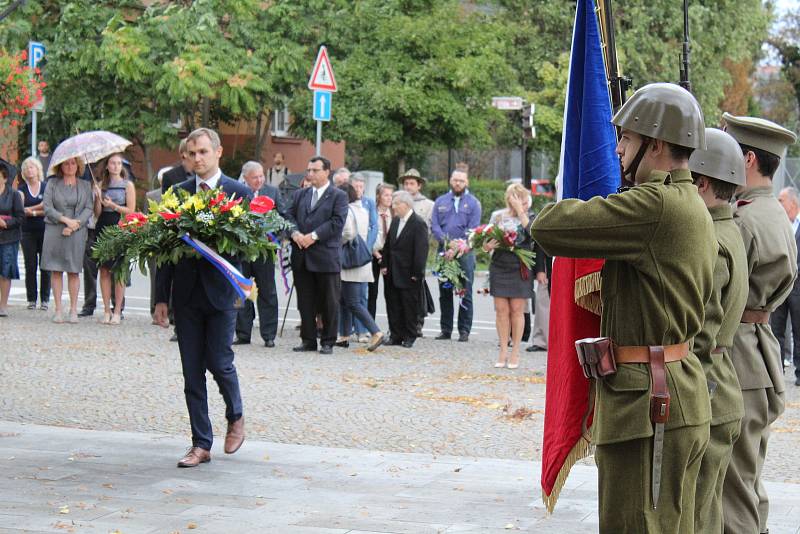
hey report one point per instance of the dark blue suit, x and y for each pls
(263, 271)
(205, 317)
(317, 269)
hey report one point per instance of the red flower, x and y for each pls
(217, 199)
(261, 204)
(228, 205)
(169, 216)
(133, 221)
(510, 238)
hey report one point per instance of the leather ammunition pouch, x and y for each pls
(596, 356)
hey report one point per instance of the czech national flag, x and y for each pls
(588, 167)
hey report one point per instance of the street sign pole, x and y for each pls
(323, 83)
(33, 134)
(35, 55)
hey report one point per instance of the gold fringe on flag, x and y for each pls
(580, 450)
(587, 293)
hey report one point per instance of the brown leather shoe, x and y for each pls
(194, 457)
(235, 436)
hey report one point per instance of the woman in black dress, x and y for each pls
(509, 280)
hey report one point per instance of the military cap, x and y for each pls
(413, 173)
(664, 111)
(722, 159)
(759, 133)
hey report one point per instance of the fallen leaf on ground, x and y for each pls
(191, 526)
(64, 510)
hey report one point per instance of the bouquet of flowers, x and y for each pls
(205, 224)
(507, 238)
(447, 268)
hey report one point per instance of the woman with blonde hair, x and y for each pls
(118, 198)
(68, 204)
(32, 189)
(510, 282)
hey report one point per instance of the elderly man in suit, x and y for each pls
(204, 304)
(404, 254)
(262, 270)
(790, 309)
(318, 213)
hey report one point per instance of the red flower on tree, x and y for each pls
(20, 83)
(261, 204)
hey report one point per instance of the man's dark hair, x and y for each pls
(722, 190)
(352, 196)
(767, 163)
(679, 152)
(326, 163)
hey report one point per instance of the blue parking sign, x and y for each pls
(35, 53)
(322, 105)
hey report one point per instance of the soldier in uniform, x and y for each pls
(659, 245)
(772, 267)
(717, 171)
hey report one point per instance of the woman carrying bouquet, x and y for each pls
(510, 281)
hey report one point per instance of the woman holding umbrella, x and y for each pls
(68, 204)
(118, 199)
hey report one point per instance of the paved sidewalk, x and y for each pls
(68, 480)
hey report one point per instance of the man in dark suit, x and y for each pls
(262, 270)
(318, 213)
(404, 254)
(179, 173)
(790, 309)
(204, 303)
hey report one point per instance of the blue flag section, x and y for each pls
(589, 166)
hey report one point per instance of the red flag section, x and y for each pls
(567, 394)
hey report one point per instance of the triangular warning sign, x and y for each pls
(322, 78)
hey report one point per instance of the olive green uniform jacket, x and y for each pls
(771, 253)
(722, 315)
(659, 244)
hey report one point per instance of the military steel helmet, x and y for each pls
(664, 111)
(722, 159)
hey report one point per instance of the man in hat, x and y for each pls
(412, 183)
(651, 417)
(717, 171)
(772, 267)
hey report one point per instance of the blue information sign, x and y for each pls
(322, 105)
(35, 53)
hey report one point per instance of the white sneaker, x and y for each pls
(787, 363)
(363, 338)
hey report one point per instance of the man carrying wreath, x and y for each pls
(205, 306)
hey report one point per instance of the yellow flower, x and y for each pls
(236, 211)
(198, 203)
(187, 204)
(169, 201)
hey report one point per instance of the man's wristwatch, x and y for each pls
(314, 236)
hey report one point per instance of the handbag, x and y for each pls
(355, 253)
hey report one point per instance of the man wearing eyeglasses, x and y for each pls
(317, 214)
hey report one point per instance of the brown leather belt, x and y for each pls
(641, 353)
(755, 316)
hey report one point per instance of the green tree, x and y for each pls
(413, 76)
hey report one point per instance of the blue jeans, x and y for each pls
(360, 327)
(446, 300)
(351, 299)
